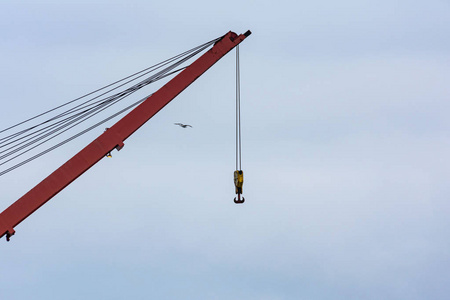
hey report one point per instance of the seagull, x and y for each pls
(183, 125)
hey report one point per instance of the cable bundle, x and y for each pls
(13, 146)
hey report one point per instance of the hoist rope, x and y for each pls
(23, 141)
(238, 113)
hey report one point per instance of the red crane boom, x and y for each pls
(113, 138)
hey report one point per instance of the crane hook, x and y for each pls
(238, 183)
(239, 201)
(238, 174)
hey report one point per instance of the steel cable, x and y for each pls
(30, 138)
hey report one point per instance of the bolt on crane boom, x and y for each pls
(114, 137)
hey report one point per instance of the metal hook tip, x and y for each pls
(239, 201)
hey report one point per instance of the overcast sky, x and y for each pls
(345, 151)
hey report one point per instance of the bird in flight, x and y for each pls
(182, 125)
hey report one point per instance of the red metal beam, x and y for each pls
(113, 137)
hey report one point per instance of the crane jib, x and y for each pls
(114, 137)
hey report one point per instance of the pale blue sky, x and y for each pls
(345, 153)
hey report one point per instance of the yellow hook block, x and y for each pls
(238, 183)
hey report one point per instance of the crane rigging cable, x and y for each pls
(69, 139)
(238, 174)
(149, 69)
(17, 144)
